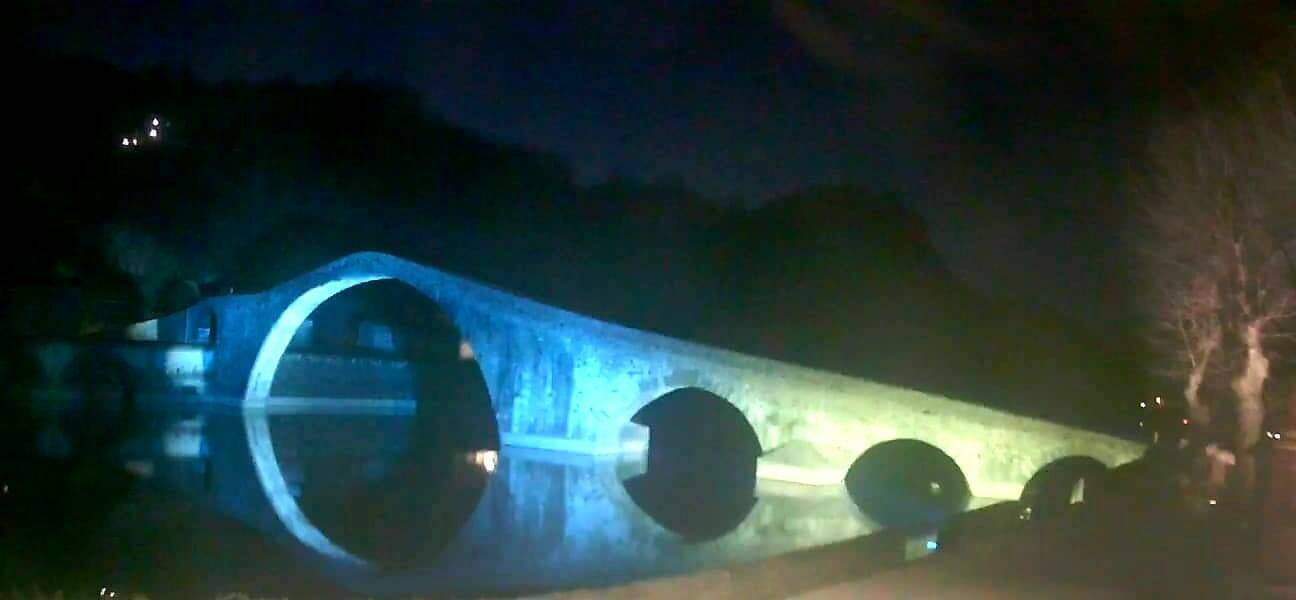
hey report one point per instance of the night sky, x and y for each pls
(1009, 127)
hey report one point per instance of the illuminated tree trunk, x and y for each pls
(1198, 412)
(1218, 245)
(1249, 388)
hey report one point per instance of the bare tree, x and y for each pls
(1219, 207)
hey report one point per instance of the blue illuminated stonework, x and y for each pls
(562, 381)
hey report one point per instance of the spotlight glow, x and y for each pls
(486, 459)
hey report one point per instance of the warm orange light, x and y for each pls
(486, 459)
(466, 350)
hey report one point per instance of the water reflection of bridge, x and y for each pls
(563, 383)
(542, 519)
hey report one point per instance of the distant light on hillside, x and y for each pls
(154, 128)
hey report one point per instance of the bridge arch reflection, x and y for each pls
(369, 542)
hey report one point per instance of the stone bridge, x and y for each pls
(566, 382)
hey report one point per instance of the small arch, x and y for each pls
(674, 418)
(700, 475)
(200, 327)
(907, 482)
(1063, 482)
(267, 466)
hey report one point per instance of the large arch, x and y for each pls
(256, 418)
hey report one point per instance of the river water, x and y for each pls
(192, 518)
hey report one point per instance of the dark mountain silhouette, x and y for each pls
(842, 279)
(248, 184)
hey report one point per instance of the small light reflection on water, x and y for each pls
(354, 475)
(921, 545)
(486, 459)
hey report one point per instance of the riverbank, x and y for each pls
(1135, 536)
(1124, 549)
(1138, 541)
